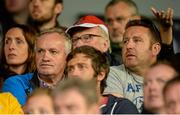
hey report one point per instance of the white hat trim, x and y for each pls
(89, 25)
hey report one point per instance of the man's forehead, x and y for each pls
(47, 34)
(127, 9)
(117, 15)
(50, 44)
(137, 30)
(84, 31)
(80, 57)
(51, 38)
(161, 71)
(83, 55)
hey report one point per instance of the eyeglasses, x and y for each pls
(86, 38)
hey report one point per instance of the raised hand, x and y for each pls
(166, 22)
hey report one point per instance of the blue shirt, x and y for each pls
(19, 86)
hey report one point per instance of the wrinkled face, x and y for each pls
(154, 82)
(15, 6)
(39, 104)
(42, 10)
(172, 99)
(50, 54)
(97, 39)
(15, 47)
(117, 16)
(136, 49)
(71, 102)
(80, 66)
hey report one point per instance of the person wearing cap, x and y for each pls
(92, 31)
(141, 45)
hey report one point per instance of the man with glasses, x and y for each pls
(91, 31)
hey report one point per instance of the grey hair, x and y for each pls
(106, 37)
(68, 43)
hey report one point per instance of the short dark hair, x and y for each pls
(175, 80)
(99, 61)
(145, 22)
(128, 2)
(59, 1)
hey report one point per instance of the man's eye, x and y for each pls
(54, 52)
(137, 40)
(86, 37)
(119, 19)
(109, 21)
(82, 66)
(69, 69)
(40, 51)
(146, 83)
(6, 41)
(125, 41)
(75, 40)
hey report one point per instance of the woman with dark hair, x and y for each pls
(18, 51)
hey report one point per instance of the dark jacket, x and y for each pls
(117, 105)
(145, 111)
(111, 59)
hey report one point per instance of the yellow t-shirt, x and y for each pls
(9, 104)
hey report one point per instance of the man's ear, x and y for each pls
(101, 76)
(105, 46)
(156, 48)
(58, 8)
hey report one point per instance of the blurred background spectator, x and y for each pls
(155, 79)
(39, 102)
(171, 96)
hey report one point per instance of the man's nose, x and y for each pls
(46, 56)
(79, 43)
(129, 44)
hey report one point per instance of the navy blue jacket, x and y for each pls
(116, 105)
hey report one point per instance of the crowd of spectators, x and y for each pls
(123, 65)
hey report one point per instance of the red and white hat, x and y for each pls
(88, 22)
